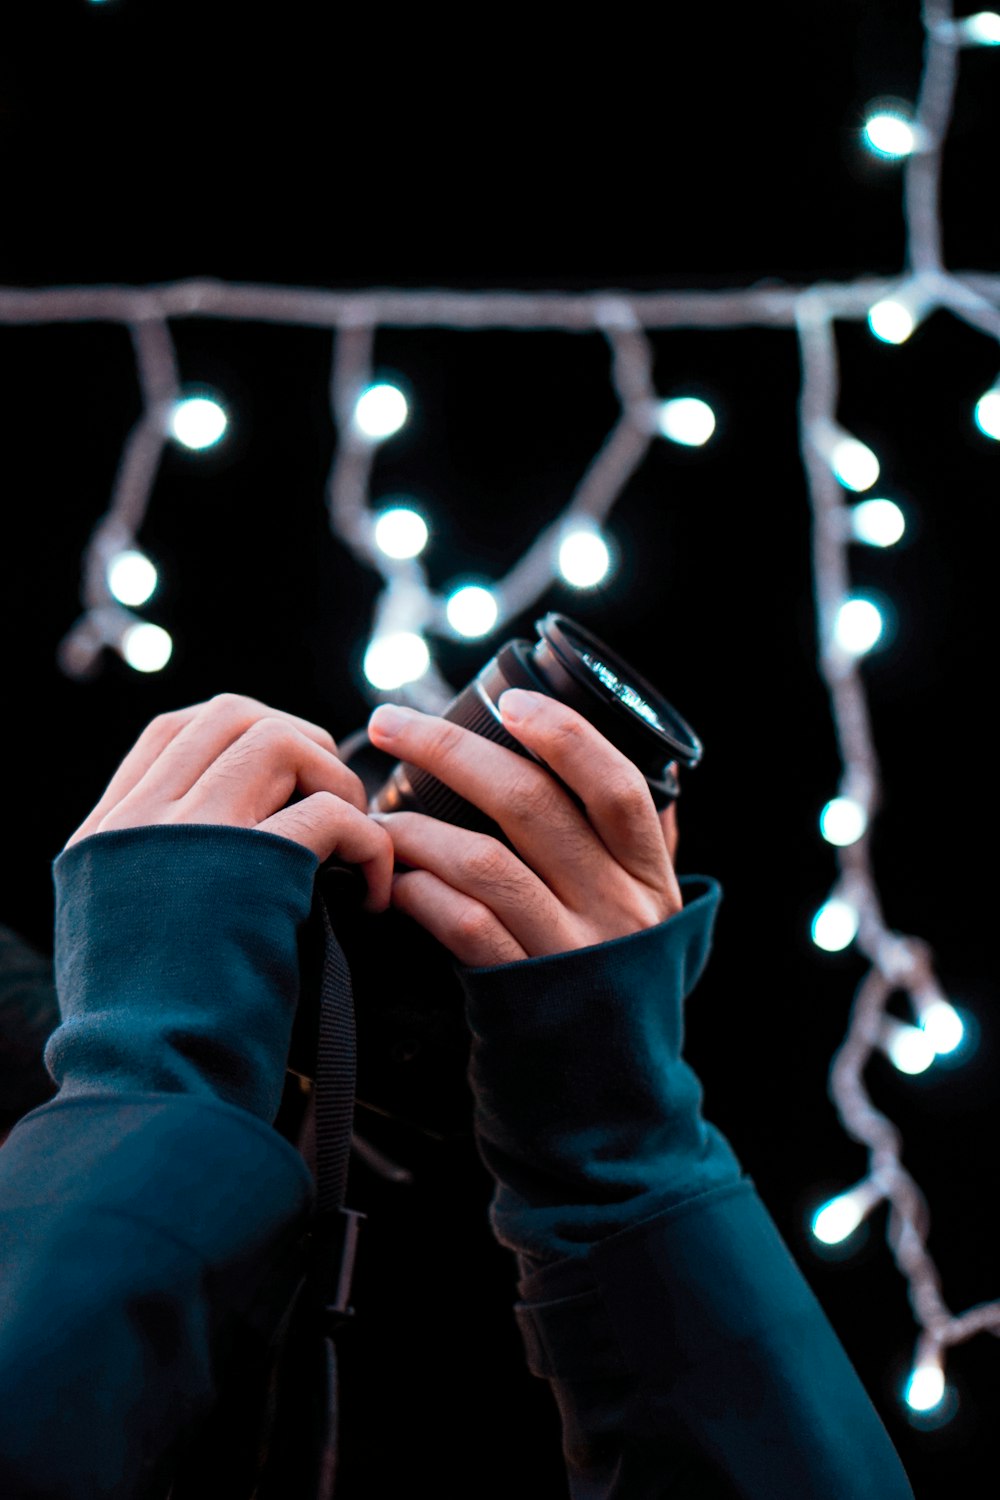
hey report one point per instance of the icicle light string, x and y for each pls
(407, 610)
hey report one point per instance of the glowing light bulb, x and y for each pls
(854, 464)
(837, 1220)
(858, 626)
(835, 925)
(943, 1026)
(401, 532)
(584, 559)
(907, 1047)
(146, 647)
(198, 421)
(988, 414)
(843, 821)
(381, 410)
(131, 577)
(983, 28)
(925, 1388)
(472, 610)
(879, 523)
(396, 658)
(891, 321)
(686, 420)
(889, 133)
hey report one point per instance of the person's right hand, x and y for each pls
(235, 761)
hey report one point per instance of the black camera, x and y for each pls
(570, 664)
(412, 1043)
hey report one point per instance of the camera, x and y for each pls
(568, 663)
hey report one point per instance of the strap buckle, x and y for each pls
(335, 1239)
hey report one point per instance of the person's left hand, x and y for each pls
(580, 879)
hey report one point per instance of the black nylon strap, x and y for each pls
(335, 1227)
(336, 1074)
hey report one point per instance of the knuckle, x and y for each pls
(268, 732)
(629, 797)
(487, 860)
(534, 792)
(166, 723)
(442, 737)
(569, 730)
(474, 923)
(232, 703)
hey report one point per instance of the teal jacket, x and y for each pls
(152, 1219)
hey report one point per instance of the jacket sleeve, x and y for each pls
(152, 1222)
(685, 1350)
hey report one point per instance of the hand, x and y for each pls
(236, 762)
(580, 880)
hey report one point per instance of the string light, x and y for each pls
(146, 647)
(852, 462)
(940, 1020)
(877, 523)
(686, 420)
(909, 1048)
(835, 925)
(843, 821)
(584, 558)
(472, 611)
(198, 421)
(837, 1220)
(988, 414)
(889, 132)
(131, 577)
(980, 30)
(392, 660)
(401, 532)
(858, 625)
(398, 660)
(381, 411)
(893, 319)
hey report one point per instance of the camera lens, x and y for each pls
(570, 664)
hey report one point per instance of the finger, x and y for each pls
(549, 832)
(175, 748)
(328, 825)
(251, 780)
(617, 796)
(483, 870)
(254, 777)
(541, 821)
(469, 930)
(228, 714)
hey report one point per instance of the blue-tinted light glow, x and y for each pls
(988, 414)
(858, 626)
(878, 523)
(396, 658)
(381, 410)
(198, 421)
(472, 610)
(889, 134)
(584, 560)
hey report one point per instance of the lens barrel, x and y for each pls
(570, 664)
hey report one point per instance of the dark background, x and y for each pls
(148, 142)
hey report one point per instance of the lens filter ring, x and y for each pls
(633, 714)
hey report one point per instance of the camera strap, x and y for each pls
(335, 1227)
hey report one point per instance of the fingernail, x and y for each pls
(389, 719)
(515, 705)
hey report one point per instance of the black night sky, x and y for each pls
(145, 143)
